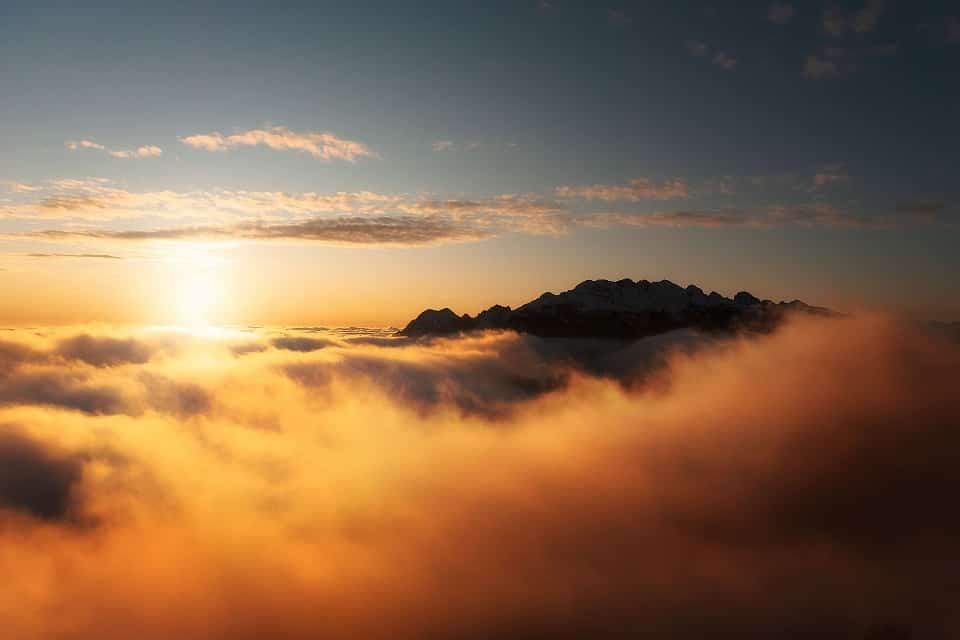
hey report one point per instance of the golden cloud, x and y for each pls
(320, 144)
(259, 485)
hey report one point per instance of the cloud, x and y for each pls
(105, 351)
(65, 389)
(816, 68)
(20, 187)
(379, 230)
(74, 145)
(146, 151)
(139, 152)
(92, 256)
(781, 12)
(792, 485)
(320, 144)
(724, 60)
(867, 18)
(805, 215)
(101, 201)
(635, 190)
(34, 479)
(830, 175)
(301, 343)
(442, 145)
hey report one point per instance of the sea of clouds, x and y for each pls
(160, 484)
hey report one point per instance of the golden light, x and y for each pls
(196, 283)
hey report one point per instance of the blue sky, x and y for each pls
(801, 149)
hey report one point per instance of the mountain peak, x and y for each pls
(620, 309)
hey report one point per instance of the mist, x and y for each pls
(280, 484)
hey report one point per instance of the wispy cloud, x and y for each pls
(146, 151)
(355, 230)
(803, 215)
(443, 145)
(99, 199)
(637, 189)
(20, 187)
(319, 144)
(91, 256)
(781, 12)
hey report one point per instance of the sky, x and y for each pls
(335, 163)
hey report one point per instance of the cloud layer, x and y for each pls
(285, 485)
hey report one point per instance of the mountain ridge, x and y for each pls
(616, 309)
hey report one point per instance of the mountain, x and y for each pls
(621, 309)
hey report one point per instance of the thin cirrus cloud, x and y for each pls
(776, 216)
(466, 221)
(146, 151)
(399, 230)
(70, 256)
(366, 218)
(99, 200)
(635, 190)
(323, 145)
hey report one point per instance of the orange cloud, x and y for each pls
(320, 144)
(786, 485)
(146, 151)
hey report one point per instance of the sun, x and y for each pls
(197, 284)
(197, 297)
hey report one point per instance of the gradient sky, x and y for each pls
(353, 163)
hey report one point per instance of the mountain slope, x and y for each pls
(622, 309)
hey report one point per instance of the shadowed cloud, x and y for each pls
(35, 480)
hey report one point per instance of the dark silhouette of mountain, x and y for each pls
(622, 309)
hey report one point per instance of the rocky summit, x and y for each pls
(623, 309)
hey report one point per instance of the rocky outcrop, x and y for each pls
(621, 309)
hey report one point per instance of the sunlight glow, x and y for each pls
(197, 284)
